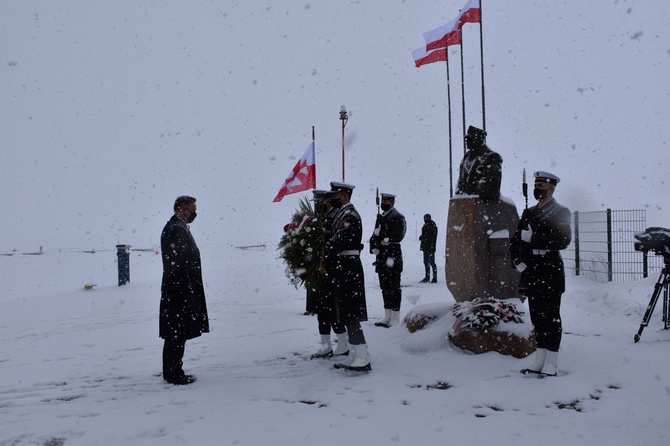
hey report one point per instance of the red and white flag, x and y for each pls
(447, 35)
(442, 37)
(302, 177)
(423, 57)
(471, 13)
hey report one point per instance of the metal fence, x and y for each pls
(602, 246)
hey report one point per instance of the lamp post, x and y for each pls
(344, 117)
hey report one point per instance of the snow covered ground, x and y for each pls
(83, 367)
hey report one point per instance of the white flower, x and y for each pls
(302, 242)
(309, 250)
(308, 229)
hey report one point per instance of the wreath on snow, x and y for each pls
(483, 313)
(300, 247)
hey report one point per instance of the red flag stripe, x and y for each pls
(423, 57)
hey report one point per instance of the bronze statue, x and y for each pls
(480, 172)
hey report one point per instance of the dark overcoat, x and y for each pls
(551, 232)
(183, 310)
(344, 267)
(428, 237)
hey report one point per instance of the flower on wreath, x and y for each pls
(483, 313)
(300, 247)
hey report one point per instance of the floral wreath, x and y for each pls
(301, 246)
(482, 313)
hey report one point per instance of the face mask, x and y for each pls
(191, 217)
(336, 203)
(540, 194)
(385, 207)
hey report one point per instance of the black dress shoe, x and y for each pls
(364, 368)
(529, 371)
(434, 280)
(322, 355)
(181, 380)
(381, 324)
(425, 280)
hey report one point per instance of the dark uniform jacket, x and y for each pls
(551, 232)
(428, 237)
(392, 228)
(343, 264)
(183, 310)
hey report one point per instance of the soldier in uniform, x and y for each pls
(389, 231)
(543, 230)
(480, 172)
(345, 270)
(325, 303)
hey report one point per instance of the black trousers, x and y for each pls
(389, 281)
(545, 314)
(173, 353)
(428, 262)
(326, 323)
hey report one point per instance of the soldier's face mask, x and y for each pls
(540, 194)
(386, 206)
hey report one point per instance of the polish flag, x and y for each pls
(471, 13)
(447, 35)
(423, 57)
(442, 37)
(302, 177)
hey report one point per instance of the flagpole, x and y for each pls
(344, 117)
(460, 31)
(314, 142)
(481, 52)
(451, 176)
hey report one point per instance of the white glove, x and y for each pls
(526, 235)
(376, 231)
(375, 252)
(521, 267)
(385, 241)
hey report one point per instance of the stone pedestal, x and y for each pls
(478, 262)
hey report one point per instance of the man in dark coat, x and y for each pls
(344, 268)
(428, 245)
(543, 230)
(480, 172)
(389, 231)
(183, 310)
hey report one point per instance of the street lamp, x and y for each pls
(344, 117)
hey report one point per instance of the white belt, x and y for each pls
(351, 252)
(539, 252)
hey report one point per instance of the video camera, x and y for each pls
(654, 239)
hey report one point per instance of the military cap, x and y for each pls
(386, 196)
(337, 186)
(546, 177)
(320, 194)
(474, 132)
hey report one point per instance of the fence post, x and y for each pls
(576, 243)
(609, 245)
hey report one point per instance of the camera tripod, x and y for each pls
(662, 284)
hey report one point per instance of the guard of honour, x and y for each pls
(542, 232)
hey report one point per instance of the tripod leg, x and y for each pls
(666, 306)
(652, 304)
